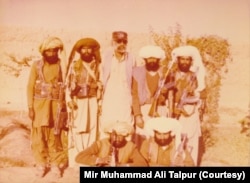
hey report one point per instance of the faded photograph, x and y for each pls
(120, 83)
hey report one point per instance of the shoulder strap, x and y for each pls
(39, 66)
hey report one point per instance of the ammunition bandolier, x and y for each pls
(45, 90)
(83, 79)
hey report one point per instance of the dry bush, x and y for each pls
(216, 54)
(14, 140)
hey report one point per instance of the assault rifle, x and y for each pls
(179, 151)
(184, 97)
(61, 117)
(153, 109)
(202, 109)
(114, 150)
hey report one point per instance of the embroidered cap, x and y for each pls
(119, 35)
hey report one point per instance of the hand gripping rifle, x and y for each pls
(184, 97)
(61, 117)
(113, 150)
(153, 109)
(179, 151)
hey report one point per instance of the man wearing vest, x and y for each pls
(114, 149)
(117, 68)
(45, 95)
(85, 88)
(165, 147)
(146, 84)
(189, 90)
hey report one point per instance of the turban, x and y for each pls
(152, 51)
(85, 42)
(197, 63)
(119, 35)
(121, 128)
(164, 125)
(55, 42)
(50, 43)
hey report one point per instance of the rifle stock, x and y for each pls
(171, 103)
(61, 118)
(184, 97)
(114, 150)
(180, 149)
(153, 109)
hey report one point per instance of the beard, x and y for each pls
(184, 67)
(87, 57)
(119, 144)
(163, 142)
(51, 59)
(152, 66)
(121, 49)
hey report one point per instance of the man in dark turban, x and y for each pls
(84, 93)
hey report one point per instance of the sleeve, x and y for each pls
(89, 155)
(144, 150)
(137, 158)
(31, 85)
(135, 98)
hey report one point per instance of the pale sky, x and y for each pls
(227, 18)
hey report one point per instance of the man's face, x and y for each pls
(51, 55)
(86, 54)
(120, 45)
(184, 63)
(117, 141)
(163, 139)
(152, 64)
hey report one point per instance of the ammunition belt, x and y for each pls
(46, 91)
(86, 92)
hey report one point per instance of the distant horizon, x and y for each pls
(229, 19)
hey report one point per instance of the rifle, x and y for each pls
(153, 109)
(179, 151)
(202, 109)
(184, 97)
(113, 150)
(61, 118)
(70, 126)
(171, 103)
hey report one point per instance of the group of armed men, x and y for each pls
(96, 109)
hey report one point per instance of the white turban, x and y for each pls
(191, 51)
(163, 125)
(55, 42)
(121, 128)
(50, 43)
(152, 51)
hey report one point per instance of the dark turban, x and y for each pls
(85, 42)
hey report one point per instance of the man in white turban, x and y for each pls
(165, 146)
(146, 83)
(189, 79)
(84, 86)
